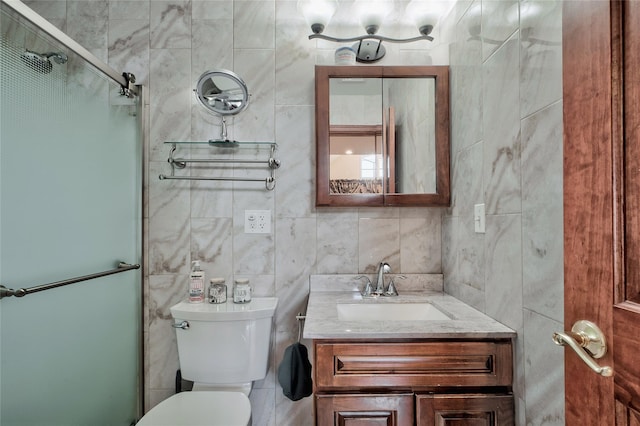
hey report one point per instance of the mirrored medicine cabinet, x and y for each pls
(382, 136)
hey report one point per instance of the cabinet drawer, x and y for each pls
(411, 365)
(462, 410)
(363, 409)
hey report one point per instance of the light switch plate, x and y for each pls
(479, 218)
(257, 221)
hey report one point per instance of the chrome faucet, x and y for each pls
(380, 290)
(383, 268)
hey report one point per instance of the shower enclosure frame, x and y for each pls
(125, 80)
(130, 90)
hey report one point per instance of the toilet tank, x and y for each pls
(224, 343)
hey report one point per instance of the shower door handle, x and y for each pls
(586, 339)
(184, 325)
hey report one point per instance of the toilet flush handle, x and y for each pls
(183, 325)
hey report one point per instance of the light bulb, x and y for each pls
(317, 13)
(426, 13)
(372, 13)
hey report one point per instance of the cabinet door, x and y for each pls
(465, 410)
(364, 410)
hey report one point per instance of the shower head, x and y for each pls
(58, 57)
(41, 61)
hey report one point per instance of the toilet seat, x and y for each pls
(201, 408)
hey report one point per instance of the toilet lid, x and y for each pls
(200, 408)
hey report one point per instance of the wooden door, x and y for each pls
(601, 84)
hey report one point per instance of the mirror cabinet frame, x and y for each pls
(442, 196)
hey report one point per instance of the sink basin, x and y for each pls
(390, 312)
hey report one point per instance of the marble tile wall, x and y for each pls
(506, 100)
(167, 45)
(506, 136)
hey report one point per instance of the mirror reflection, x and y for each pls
(355, 159)
(382, 135)
(410, 108)
(355, 136)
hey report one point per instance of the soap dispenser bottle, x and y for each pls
(196, 283)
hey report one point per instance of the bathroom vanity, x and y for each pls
(375, 364)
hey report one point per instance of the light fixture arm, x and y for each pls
(369, 37)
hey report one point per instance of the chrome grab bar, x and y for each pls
(122, 267)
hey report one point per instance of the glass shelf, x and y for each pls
(221, 144)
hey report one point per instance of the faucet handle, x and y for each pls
(391, 289)
(366, 291)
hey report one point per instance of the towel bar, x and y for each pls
(122, 267)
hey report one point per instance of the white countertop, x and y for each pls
(466, 322)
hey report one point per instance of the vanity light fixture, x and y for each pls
(368, 47)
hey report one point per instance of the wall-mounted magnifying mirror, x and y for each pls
(222, 92)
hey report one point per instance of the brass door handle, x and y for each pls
(586, 339)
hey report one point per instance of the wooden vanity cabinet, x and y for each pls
(413, 382)
(365, 409)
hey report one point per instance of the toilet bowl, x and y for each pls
(200, 408)
(222, 348)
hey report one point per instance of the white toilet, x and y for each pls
(223, 348)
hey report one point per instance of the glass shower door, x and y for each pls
(70, 205)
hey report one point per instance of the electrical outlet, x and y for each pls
(257, 221)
